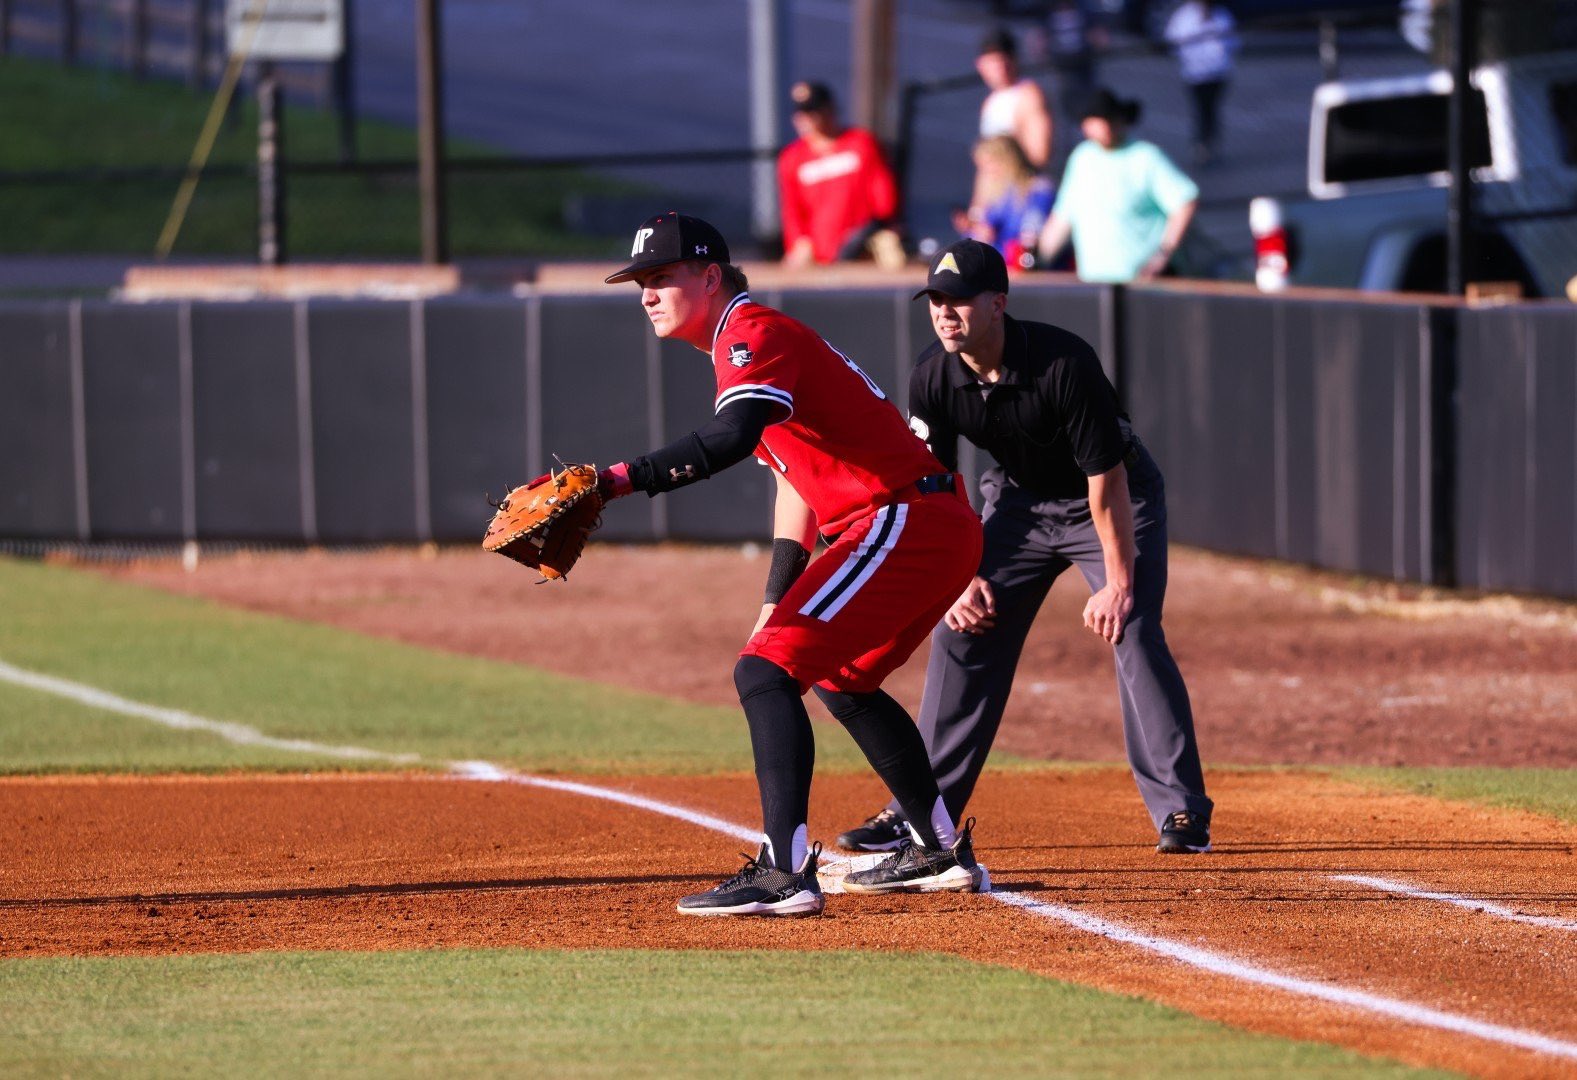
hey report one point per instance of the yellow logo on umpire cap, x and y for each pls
(947, 263)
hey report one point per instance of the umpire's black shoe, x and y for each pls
(914, 868)
(1184, 833)
(883, 831)
(762, 889)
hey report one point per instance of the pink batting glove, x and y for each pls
(614, 482)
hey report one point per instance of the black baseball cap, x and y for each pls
(965, 269)
(670, 238)
(1105, 105)
(811, 96)
(999, 40)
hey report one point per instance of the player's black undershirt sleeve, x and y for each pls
(726, 439)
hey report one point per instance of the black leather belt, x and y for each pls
(930, 485)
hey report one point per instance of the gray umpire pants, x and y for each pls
(1028, 543)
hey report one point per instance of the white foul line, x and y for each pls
(240, 734)
(486, 770)
(1485, 906)
(1218, 964)
(1191, 955)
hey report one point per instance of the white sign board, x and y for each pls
(285, 29)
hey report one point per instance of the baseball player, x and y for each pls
(1074, 487)
(903, 544)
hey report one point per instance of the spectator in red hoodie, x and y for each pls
(838, 194)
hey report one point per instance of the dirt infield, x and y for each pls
(1284, 665)
(166, 865)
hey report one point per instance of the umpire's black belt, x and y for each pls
(928, 485)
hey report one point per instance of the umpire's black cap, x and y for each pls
(670, 238)
(965, 269)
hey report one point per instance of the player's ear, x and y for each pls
(713, 278)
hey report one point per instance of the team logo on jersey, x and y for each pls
(948, 263)
(739, 355)
(920, 428)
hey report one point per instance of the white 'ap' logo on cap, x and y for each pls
(948, 263)
(641, 236)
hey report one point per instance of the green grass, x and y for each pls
(96, 119)
(297, 680)
(1552, 792)
(606, 1013)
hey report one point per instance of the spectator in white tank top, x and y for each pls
(1016, 107)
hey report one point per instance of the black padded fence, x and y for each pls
(40, 399)
(477, 407)
(248, 413)
(1316, 430)
(136, 413)
(1298, 429)
(1516, 450)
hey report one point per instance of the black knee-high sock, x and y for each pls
(886, 734)
(784, 749)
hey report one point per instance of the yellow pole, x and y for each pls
(210, 132)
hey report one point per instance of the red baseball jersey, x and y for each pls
(844, 447)
(828, 196)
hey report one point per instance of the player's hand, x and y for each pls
(975, 612)
(766, 613)
(1107, 611)
(1154, 267)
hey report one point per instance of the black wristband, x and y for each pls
(789, 559)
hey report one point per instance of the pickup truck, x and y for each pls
(1379, 180)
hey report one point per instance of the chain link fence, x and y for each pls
(352, 193)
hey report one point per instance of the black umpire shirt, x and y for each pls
(1051, 420)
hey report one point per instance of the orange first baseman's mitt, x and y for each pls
(545, 523)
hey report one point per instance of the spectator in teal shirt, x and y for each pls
(1122, 201)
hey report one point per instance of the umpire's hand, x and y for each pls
(1107, 611)
(975, 612)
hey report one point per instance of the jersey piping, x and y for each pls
(728, 313)
(776, 395)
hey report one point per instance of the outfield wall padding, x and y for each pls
(136, 408)
(368, 468)
(1295, 429)
(1413, 441)
(247, 412)
(478, 440)
(40, 459)
(1516, 450)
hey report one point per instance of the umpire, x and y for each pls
(1074, 487)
